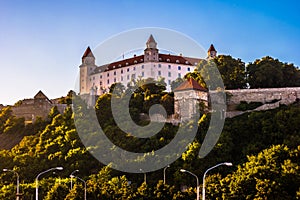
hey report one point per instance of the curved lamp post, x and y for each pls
(203, 186)
(18, 183)
(72, 176)
(165, 173)
(183, 170)
(37, 180)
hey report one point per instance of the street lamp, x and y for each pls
(72, 176)
(145, 176)
(183, 170)
(165, 173)
(203, 185)
(37, 180)
(18, 183)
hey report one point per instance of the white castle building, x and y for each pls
(96, 80)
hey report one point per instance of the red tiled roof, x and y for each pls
(121, 64)
(88, 53)
(178, 59)
(211, 48)
(190, 84)
(140, 59)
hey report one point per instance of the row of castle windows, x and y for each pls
(133, 76)
(142, 66)
(142, 74)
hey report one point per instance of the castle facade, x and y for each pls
(96, 80)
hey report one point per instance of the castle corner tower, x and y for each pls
(86, 68)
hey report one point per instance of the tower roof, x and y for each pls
(190, 84)
(151, 39)
(211, 48)
(88, 53)
(151, 44)
(41, 95)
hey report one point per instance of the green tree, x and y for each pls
(232, 71)
(58, 192)
(272, 174)
(268, 72)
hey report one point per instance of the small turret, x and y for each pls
(151, 51)
(211, 52)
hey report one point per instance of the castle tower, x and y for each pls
(86, 68)
(211, 53)
(151, 51)
(187, 99)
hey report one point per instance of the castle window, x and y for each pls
(169, 74)
(159, 65)
(179, 75)
(168, 60)
(107, 81)
(115, 73)
(132, 76)
(169, 82)
(177, 61)
(189, 69)
(121, 71)
(114, 67)
(142, 66)
(127, 63)
(115, 80)
(143, 74)
(100, 83)
(127, 69)
(196, 64)
(133, 68)
(179, 67)
(93, 77)
(120, 65)
(141, 60)
(128, 77)
(187, 62)
(169, 66)
(122, 79)
(107, 74)
(159, 73)
(135, 61)
(101, 76)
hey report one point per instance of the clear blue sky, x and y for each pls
(41, 42)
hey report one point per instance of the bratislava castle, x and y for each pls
(96, 80)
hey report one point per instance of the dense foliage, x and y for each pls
(263, 146)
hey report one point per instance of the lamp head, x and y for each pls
(228, 163)
(182, 170)
(5, 170)
(59, 168)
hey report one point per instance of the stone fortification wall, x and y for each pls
(270, 98)
(266, 95)
(31, 111)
